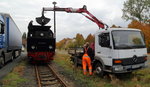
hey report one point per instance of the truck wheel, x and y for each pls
(2, 61)
(12, 57)
(99, 70)
(19, 53)
(15, 54)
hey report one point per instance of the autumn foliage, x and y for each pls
(24, 39)
(62, 44)
(78, 41)
(145, 29)
(114, 26)
(90, 38)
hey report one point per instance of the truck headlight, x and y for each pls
(118, 68)
(33, 47)
(50, 47)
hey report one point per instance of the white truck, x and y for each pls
(117, 50)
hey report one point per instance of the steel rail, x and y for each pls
(37, 76)
(60, 80)
(51, 71)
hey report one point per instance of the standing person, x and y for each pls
(86, 60)
(92, 46)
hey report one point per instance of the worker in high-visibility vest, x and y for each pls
(86, 60)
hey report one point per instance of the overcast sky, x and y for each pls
(22, 11)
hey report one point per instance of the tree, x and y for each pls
(65, 44)
(145, 29)
(114, 26)
(90, 38)
(137, 10)
(79, 40)
(60, 44)
(71, 44)
(24, 36)
(24, 39)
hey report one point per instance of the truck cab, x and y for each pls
(119, 50)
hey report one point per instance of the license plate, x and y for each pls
(135, 66)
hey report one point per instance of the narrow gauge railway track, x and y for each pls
(47, 77)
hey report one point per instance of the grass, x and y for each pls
(76, 74)
(140, 78)
(14, 78)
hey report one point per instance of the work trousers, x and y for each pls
(86, 61)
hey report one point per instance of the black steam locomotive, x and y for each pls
(40, 41)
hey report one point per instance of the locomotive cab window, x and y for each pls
(104, 40)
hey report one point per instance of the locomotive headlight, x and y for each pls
(33, 47)
(30, 35)
(41, 34)
(50, 47)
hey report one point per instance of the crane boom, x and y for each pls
(78, 10)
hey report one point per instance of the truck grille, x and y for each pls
(132, 61)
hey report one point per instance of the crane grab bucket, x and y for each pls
(42, 20)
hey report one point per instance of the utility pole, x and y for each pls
(54, 3)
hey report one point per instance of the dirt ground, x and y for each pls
(10, 65)
(28, 74)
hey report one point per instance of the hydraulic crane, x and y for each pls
(76, 10)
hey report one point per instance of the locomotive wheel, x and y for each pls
(99, 70)
(2, 61)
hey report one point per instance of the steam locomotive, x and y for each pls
(40, 41)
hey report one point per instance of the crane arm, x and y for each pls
(78, 10)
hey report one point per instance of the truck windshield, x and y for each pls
(128, 39)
